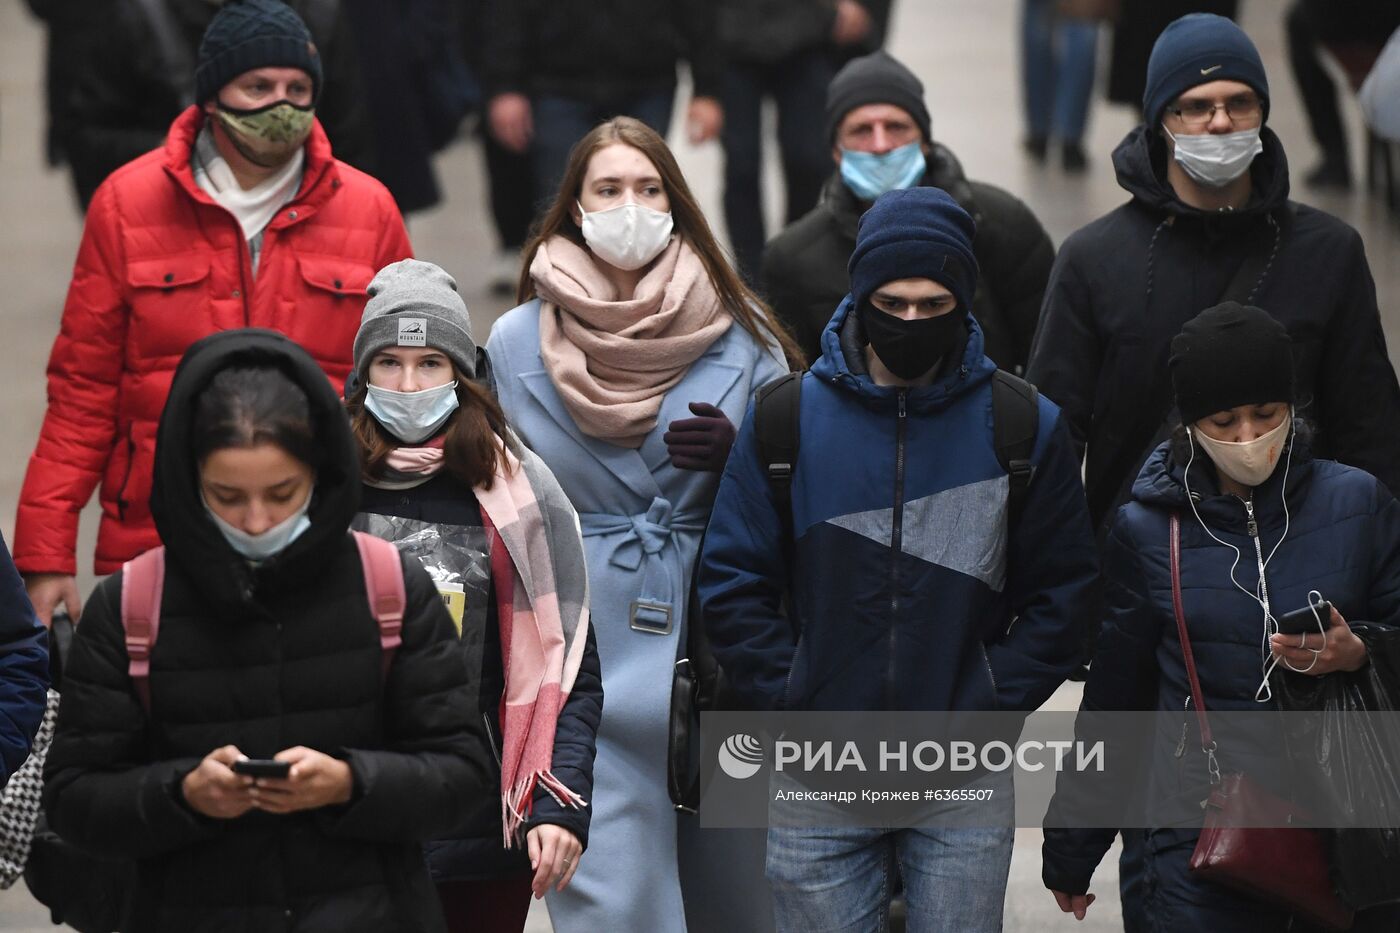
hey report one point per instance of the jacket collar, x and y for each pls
(944, 171)
(842, 364)
(1140, 162)
(1162, 483)
(320, 177)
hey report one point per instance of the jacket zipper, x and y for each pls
(896, 541)
(1252, 527)
(996, 704)
(126, 477)
(787, 685)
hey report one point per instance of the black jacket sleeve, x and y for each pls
(1124, 677)
(1358, 400)
(1065, 355)
(102, 792)
(340, 108)
(575, 745)
(1024, 256)
(701, 46)
(24, 669)
(503, 56)
(436, 757)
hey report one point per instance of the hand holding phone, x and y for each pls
(262, 767)
(1310, 620)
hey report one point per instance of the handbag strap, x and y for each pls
(1198, 698)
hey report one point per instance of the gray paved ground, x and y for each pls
(963, 49)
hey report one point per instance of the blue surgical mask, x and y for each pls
(270, 543)
(870, 174)
(412, 417)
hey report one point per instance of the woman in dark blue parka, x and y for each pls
(1263, 524)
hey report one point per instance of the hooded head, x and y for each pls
(1197, 49)
(178, 503)
(249, 34)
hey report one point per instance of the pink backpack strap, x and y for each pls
(384, 586)
(143, 581)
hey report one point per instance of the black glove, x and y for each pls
(700, 443)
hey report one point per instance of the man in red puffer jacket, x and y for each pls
(243, 219)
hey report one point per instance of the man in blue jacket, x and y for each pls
(908, 586)
(24, 669)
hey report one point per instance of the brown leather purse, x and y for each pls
(1246, 842)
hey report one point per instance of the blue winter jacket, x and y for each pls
(1343, 540)
(908, 592)
(24, 669)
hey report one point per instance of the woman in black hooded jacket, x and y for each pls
(267, 648)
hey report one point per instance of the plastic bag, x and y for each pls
(457, 557)
(1365, 862)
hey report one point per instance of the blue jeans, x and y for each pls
(1057, 70)
(562, 121)
(797, 85)
(840, 880)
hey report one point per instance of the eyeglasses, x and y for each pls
(1240, 109)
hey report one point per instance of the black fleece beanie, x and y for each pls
(877, 78)
(1230, 355)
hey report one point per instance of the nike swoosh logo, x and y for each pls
(1206, 71)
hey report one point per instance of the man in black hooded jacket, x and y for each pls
(881, 139)
(1191, 236)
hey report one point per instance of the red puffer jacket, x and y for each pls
(160, 266)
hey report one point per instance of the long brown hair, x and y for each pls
(752, 313)
(472, 445)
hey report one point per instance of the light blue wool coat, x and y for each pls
(642, 523)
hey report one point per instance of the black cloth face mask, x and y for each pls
(911, 348)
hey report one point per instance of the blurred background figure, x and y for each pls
(416, 90)
(120, 71)
(509, 178)
(786, 51)
(1059, 42)
(1138, 24)
(1353, 32)
(554, 69)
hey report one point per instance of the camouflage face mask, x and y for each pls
(267, 136)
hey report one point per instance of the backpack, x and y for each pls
(143, 581)
(698, 682)
(92, 894)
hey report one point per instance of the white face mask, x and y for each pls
(1249, 462)
(1216, 160)
(412, 416)
(271, 542)
(627, 236)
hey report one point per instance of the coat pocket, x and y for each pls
(322, 310)
(169, 299)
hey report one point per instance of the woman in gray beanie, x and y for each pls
(446, 480)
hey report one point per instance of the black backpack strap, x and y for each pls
(777, 407)
(1015, 425)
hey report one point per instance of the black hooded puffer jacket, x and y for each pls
(1123, 286)
(266, 659)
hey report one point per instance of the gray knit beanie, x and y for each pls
(413, 304)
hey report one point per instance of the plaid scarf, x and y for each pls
(541, 583)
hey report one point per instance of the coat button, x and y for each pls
(337, 283)
(291, 215)
(169, 276)
(237, 293)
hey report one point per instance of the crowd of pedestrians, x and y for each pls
(389, 617)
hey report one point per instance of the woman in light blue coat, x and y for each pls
(626, 369)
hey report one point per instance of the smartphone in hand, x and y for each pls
(262, 767)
